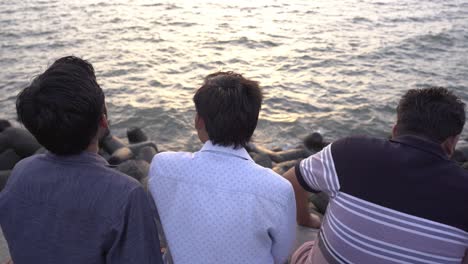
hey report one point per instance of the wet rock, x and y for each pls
(112, 143)
(147, 153)
(138, 169)
(314, 141)
(20, 140)
(320, 200)
(279, 170)
(459, 156)
(4, 124)
(4, 174)
(41, 150)
(465, 165)
(136, 147)
(277, 149)
(121, 155)
(262, 160)
(286, 155)
(136, 135)
(286, 165)
(8, 159)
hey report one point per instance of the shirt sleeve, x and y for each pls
(317, 173)
(136, 237)
(284, 235)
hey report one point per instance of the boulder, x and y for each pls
(314, 141)
(277, 149)
(136, 147)
(465, 165)
(8, 159)
(4, 174)
(112, 143)
(41, 150)
(147, 153)
(121, 155)
(4, 124)
(286, 165)
(262, 160)
(20, 140)
(136, 135)
(280, 156)
(320, 200)
(459, 156)
(138, 169)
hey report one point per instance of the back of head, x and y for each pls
(229, 104)
(62, 106)
(434, 113)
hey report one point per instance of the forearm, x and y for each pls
(302, 208)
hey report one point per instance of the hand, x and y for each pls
(310, 220)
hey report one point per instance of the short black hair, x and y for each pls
(229, 104)
(435, 113)
(62, 106)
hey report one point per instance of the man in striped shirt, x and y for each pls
(391, 201)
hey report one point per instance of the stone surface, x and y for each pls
(136, 135)
(4, 252)
(138, 169)
(112, 143)
(8, 159)
(147, 153)
(4, 174)
(459, 156)
(314, 141)
(20, 140)
(137, 146)
(3, 125)
(465, 165)
(262, 160)
(121, 155)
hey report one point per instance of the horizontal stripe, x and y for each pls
(410, 218)
(397, 226)
(387, 247)
(357, 205)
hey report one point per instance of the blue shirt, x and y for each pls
(218, 206)
(75, 209)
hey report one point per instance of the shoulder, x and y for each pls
(271, 185)
(168, 160)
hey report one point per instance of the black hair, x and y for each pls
(434, 113)
(62, 107)
(229, 104)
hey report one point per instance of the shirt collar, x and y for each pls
(83, 157)
(231, 151)
(421, 144)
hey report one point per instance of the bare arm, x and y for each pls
(303, 216)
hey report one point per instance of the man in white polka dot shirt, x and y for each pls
(216, 205)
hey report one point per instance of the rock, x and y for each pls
(112, 143)
(147, 153)
(121, 155)
(279, 170)
(277, 149)
(4, 124)
(8, 159)
(4, 174)
(104, 154)
(320, 200)
(136, 147)
(286, 165)
(463, 148)
(459, 156)
(285, 155)
(138, 169)
(41, 150)
(136, 135)
(465, 165)
(292, 154)
(20, 140)
(262, 160)
(314, 141)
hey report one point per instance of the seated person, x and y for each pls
(68, 206)
(391, 201)
(217, 205)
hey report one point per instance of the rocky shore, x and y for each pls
(133, 156)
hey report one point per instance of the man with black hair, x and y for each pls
(68, 206)
(216, 205)
(391, 201)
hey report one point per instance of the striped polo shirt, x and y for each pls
(391, 201)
